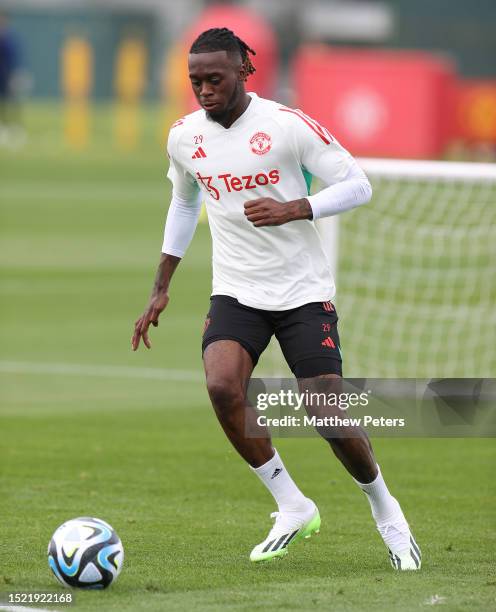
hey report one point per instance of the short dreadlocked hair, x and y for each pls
(223, 39)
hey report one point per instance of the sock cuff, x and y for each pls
(374, 482)
(271, 464)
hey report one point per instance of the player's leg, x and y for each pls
(352, 447)
(228, 368)
(228, 364)
(310, 342)
(350, 444)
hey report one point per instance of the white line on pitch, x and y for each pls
(24, 609)
(104, 371)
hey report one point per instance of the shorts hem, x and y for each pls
(321, 366)
(253, 354)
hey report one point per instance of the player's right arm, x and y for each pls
(180, 226)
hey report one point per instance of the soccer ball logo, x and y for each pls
(261, 143)
(86, 553)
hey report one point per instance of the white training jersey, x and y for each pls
(266, 152)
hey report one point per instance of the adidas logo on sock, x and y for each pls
(277, 471)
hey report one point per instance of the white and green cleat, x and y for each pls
(404, 552)
(289, 527)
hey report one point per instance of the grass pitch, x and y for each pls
(89, 428)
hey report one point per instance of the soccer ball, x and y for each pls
(86, 553)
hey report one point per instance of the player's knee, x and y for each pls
(345, 442)
(224, 394)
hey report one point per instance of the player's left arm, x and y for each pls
(320, 154)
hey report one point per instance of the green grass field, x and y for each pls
(89, 428)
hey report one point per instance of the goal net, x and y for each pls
(416, 272)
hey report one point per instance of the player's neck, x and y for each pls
(232, 115)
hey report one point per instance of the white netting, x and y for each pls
(416, 273)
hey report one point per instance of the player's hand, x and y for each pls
(157, 304)
(267, 211)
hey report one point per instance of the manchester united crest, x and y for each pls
(260, 143)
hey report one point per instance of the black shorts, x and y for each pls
(307, 335)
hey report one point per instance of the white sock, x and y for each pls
(276, 478)
(383, 505)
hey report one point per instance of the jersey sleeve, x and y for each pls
(183, 184)
(317, 150)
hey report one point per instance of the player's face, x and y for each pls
(217, 79)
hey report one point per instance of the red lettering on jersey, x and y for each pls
(213, 191)
(235, 183)
(225, 178)
(248, 178)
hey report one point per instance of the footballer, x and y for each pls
(249, 159)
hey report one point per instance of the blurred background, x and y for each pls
(361, 66)
(89, 90)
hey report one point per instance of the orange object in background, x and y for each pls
(257, 34)
(378, 103)
(475, 118)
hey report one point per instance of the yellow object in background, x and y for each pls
(77, 68)
(130, 70)
(175, 91)
(129, 83)
(77, 123)
(175, 87)
(127, 125)
(77, 82)
(175, 82)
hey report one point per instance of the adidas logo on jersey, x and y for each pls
(328, 342)
(199, 153)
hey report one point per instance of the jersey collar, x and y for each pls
(244, 116)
